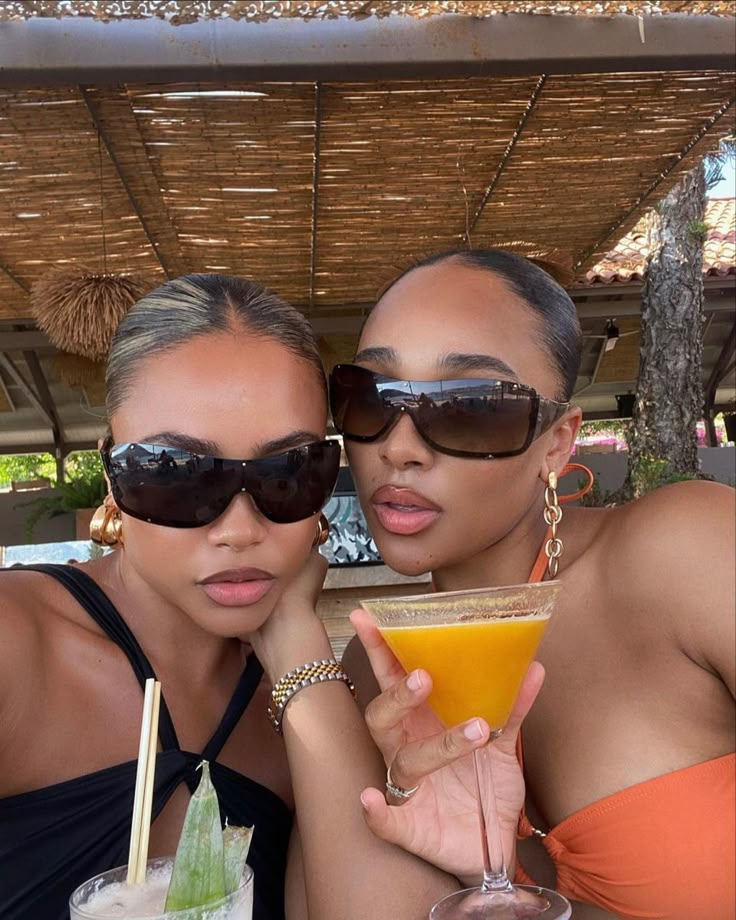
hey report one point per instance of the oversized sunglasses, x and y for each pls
(178, 488)
(464, 418)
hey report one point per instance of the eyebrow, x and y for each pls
(457, 361)
(452, 361)
(202, 446)
(379, 354)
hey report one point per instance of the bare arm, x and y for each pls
(331, 760)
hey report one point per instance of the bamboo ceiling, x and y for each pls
(324, 191)
(180, 12)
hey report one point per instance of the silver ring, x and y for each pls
(398, 792)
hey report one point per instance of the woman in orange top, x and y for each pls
(628, 751)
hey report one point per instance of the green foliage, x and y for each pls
(607, 426)
(84, 488)
(84, 463)
(699, 229)
(653, 472)
(596, 497)
(25, 467)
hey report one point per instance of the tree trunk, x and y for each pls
(669, 403)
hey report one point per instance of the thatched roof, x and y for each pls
(324, 191)
(186, 11)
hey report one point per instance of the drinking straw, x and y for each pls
(143, 797)
(148, 788)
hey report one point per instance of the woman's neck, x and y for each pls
(170, 639)
(509, 561)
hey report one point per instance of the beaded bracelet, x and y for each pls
(305, 675)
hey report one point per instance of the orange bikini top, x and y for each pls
(664, 848)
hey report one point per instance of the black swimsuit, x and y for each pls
(53, 839)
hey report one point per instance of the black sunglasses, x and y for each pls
(178, 488)
(464, 418)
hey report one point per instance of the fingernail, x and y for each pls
(363, 802)
(473, 731)
(414, 681)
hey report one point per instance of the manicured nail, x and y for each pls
(363, 802)
(473, 731)
(414, 681)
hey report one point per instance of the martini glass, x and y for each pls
(477, 645)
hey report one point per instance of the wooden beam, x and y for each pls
(315, 189)
(602, 309)
(591, 382)
(45, 447)
(720, 368)
(24, 340)
(47, 51)
(14, 278)
(9, 366)
(6, 400)
(506, 156)
(47, 401)
(114, 119)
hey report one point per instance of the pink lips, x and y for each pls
(403, 511)
(237, 587)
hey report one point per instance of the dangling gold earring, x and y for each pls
(106, 526)
(323, 531)
(553, 548)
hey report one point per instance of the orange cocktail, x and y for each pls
(477, 645)
(477, 667)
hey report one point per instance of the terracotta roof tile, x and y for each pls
(627, 261)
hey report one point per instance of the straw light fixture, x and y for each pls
(78, 308)
(81, 374)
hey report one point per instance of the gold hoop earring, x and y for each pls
(553, 548)
(323, 531)
(106, 526)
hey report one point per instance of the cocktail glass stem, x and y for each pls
(495, 878)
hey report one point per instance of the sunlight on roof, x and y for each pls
(208, 93)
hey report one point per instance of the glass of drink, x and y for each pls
(109, 895)
(477, 645)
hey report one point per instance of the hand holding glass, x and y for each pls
(477, 645)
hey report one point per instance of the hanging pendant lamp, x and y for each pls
(78, 308)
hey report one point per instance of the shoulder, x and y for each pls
(22, 594)
(668, 559)
(685, 524)
(22, 597)
(35, 609)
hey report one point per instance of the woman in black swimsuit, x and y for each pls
(208, 589)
